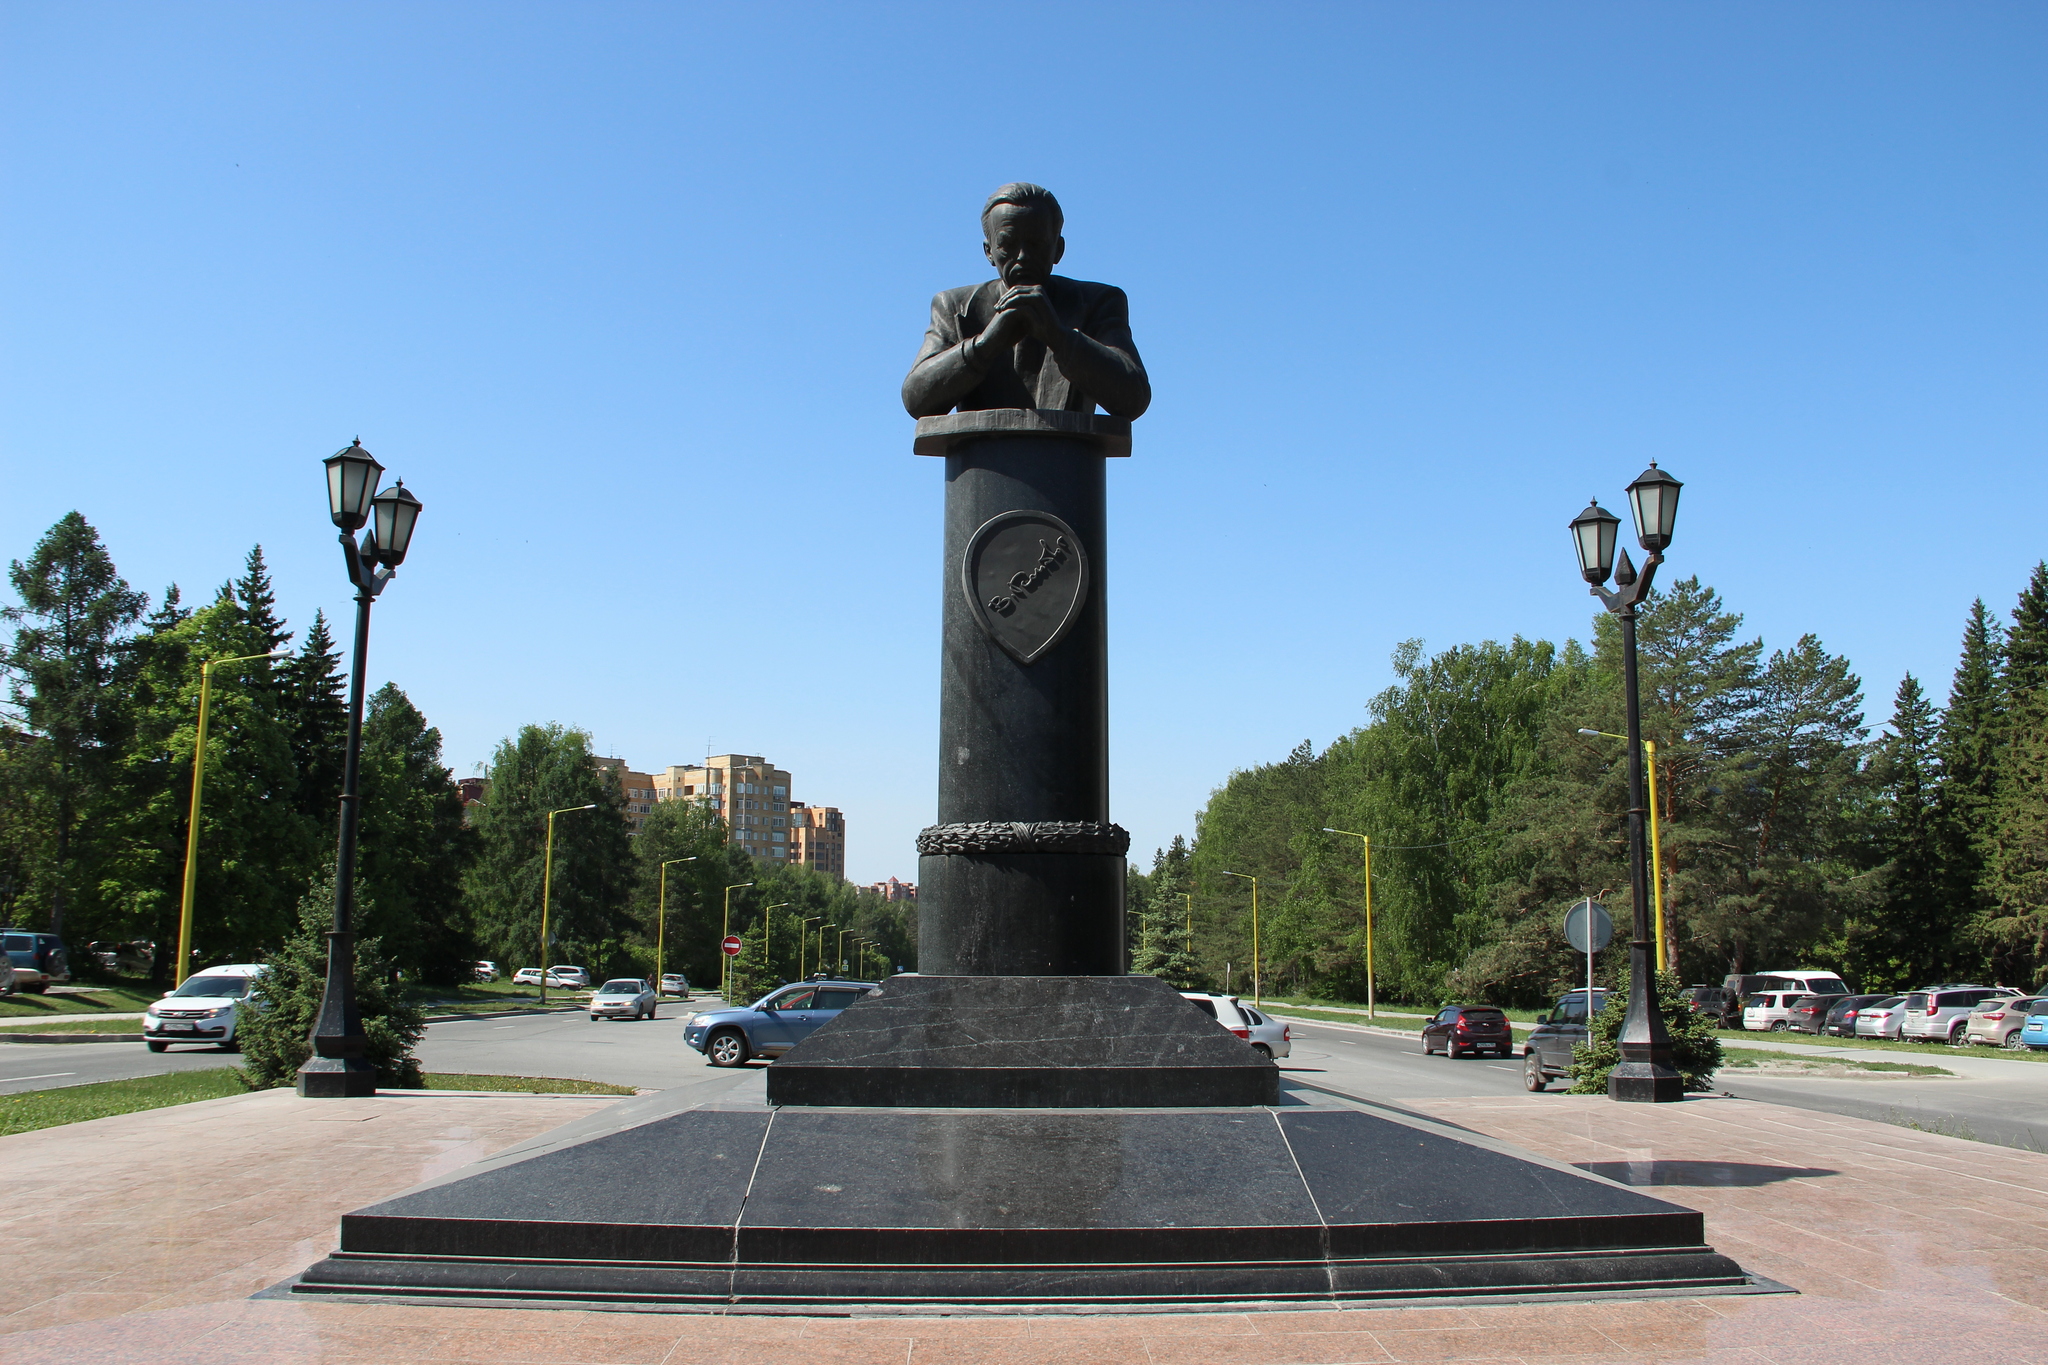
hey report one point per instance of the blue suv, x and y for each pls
(39, 960)
(774, 1024)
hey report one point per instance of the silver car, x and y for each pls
(1882, 1019)
(1940, 1016)
(624, 997)
(1270, 1037)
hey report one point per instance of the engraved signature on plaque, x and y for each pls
(1027, 577)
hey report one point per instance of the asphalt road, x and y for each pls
(2008, 1104)
(2005, 1102)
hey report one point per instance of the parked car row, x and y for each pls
(1954, 1013)
(38, 960)
(569, 978)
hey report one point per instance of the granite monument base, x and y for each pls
(1080, 1042)
(751, 1206)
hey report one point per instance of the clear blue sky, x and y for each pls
(625, 292)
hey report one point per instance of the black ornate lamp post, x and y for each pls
(337, 1068)
(1645, 1073)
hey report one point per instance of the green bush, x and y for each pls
(1695, 1044)
(277, 1041)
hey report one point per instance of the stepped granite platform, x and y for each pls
(744, 1204)
(1017, 1041)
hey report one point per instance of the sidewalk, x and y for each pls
(139, 1238)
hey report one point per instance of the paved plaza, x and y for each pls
(140, 1239)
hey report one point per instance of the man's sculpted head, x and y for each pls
(1021, 226)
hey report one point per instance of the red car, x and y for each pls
(1459, 1029)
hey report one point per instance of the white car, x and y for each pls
(203, 1010)
(526, 976)
(487, 971)
(675, 983)
(575, 978)
(1770, 1011)
(1270, 1037)
(624, 997)
(1811, 981)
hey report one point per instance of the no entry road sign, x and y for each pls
(731, 945)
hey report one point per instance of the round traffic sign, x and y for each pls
(731, 945)
(1577, 926)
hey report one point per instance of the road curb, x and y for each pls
(502, 1014)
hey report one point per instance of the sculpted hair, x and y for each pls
(1025, 196)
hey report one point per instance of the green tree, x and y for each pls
(75, 614)
(544, 768)
(2012, 922)
(1910, 933)
(277, 1040)
(312, 683)
(677, 830)
(1162, 944)
(1971, 733)
(414, 845)
(257, 853)
(749, 975)
(1695, 1042)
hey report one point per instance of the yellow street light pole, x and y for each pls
(547, 893)
(725, 967)
(823, 929)
(661, 923)
(198, 781)
(768, 932)
(1257, 998)
(839, 950)
(803, 942)
(1656, 849)
(1371, 1005)
(1188, 896)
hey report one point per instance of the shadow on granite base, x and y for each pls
(1056, 1042)
(742, 1205)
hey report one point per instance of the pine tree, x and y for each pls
(75, 615)
(2014, 923)
(1910, 934)
(1164, 944)
(258, 600)
(313, 686)
(1968, 748)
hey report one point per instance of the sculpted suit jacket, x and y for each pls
(1030, 376)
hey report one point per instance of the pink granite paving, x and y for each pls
(139, 1238)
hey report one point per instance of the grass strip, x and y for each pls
(1408, 1025)
(112, 1000)
(69, 1024)
(531, 1085)
(1739, 1057)
(1935, 1048)
(35, 1109)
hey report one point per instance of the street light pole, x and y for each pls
(725, 972)
(547, 893)
(1645, 1073)
(660, 930)
(1257, 997)
(803, 942)
(768, 933)
(1664, 962)
(1371, 1005)
(337, 1068)
(192, 826)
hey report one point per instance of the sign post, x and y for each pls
(1589, 928)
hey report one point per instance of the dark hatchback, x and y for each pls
(1810, 1012)
(1841, 1016)
(1458, 1029)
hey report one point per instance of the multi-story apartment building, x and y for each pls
(893, 890)
(638, 789)
(751, 793)
(817, 837)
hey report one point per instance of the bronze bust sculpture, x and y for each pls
(1029, 338)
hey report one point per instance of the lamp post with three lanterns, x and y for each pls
(1645, 1073)
(338, 1069)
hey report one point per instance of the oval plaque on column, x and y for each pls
(1026, 578)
